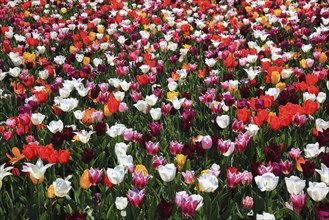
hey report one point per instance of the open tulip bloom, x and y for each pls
(172, 109)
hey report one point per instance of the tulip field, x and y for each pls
(164, 109)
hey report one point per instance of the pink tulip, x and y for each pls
(286, 166)
(175, 147)
(136, 197)
(248, 202)
(151, 147)
(140, 180)
(206, 142)
(309, 63)
(157, 161)
(95, 176)
(298, 201)
(188, 177)
(233, 179)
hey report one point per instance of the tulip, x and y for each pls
(61, 187)
(157, 161)
(175, 147)
(121, 203)
(286, 166)
(155, 113)
(298, 201)
(324, 173)
(95, 176)
(265, 216)
(180, 159)
(155, 128)
(164, 209)
(188, 204)
(37, 118)
(223, 121)
(206, 142)
(226, 147)
(140, 179)
(188, 177)
(84, 135)
(167, 172)
(84, 180)
(294, 153)
(136, 197)
(267, 182)
(312, 150)
(317, 191)
(248, 202)
(55, 126)
(294, 184)
(36, 171)
(116, 175)
(208, 182)
(233, 178)
(4, 172)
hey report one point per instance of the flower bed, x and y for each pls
(164, 109)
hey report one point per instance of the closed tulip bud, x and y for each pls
(248, 202)
(180, 159)
(51, 192)
(84, 180)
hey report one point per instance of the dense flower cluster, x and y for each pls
(149, 109)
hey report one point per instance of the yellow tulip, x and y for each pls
(51, 192)
(84, 180)
(171, 95)
(323, 58)
(72, 48)
(86, 60)
(281, 86)
(303, 63)
(180, 159)
(140, 168)
(63, 10)
(275, 78)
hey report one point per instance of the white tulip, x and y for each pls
(84, 135)
(116, 175)
(223, 121)
(37, 118)
(116, 130)
(321, 124)
(312, 150)
(267, 182)
(155, 113)
(294, 184)
(208, 182)
(265, 216)
(172, 86)
(324, 173)
(177, 103)
(121, 203)
(61, 187)
(120, 148)
(321, 98)
(55, 126)
(4, 172)
(37, 170)
(151, 100)
(119, 96)
(167, 172)
(144, 68)
(78, 114)
(141, 105)
(317, 191)
(252, 129)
